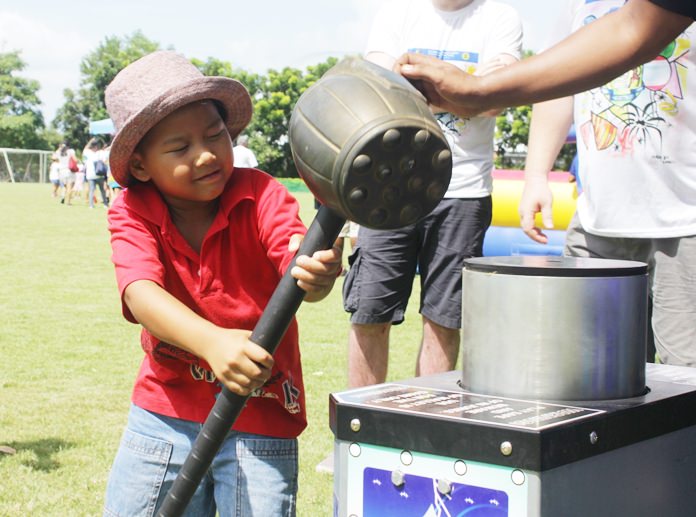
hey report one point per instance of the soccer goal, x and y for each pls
(24, 165)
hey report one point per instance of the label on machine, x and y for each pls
(419, 496)
(471, 407)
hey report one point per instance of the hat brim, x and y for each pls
(232, 94)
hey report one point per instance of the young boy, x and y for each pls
(199, 247)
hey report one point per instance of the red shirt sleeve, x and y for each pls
(135, 251)
(278, 219)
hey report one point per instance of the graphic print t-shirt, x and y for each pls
(636, 137)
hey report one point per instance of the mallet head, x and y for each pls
(368, 147)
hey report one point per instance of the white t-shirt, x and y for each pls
(466, 38)
(636, 140)
(88, 158)
(244, 157)
(54, 171)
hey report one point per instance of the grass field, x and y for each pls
(68, 360)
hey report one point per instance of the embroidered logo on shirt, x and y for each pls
(201, 374)
(292, 395)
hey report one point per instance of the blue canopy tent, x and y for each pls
(102, 127)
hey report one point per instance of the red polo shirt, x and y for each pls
(241, 261)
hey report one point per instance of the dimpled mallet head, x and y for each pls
(368, 147)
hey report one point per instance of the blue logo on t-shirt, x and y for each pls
(448, 55)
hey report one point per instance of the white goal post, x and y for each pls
(24, 165)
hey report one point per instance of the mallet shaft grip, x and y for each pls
(267, 333)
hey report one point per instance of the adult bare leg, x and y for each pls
(368, 354)
(439, 349)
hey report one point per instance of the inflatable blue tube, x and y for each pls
(506, 241)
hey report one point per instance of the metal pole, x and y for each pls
(9, 167)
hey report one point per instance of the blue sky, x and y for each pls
(255, 36)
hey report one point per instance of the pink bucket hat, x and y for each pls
(155, 86)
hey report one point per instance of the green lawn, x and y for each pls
(68, 360)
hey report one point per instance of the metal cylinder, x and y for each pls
(368, 147)
(554, 328)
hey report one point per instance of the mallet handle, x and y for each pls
(267, 333)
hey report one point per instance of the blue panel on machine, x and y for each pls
(419, 497)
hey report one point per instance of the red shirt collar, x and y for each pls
(147, 202)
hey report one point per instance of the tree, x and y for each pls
(72, 120)
(273, 104)
(21, 122)
(98, 69)
(273, 97)
(512, 135)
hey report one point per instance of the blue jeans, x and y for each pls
(99, 182)
(251, 475)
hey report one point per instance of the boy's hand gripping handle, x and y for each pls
(268, 332)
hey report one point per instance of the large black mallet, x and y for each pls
(367, 146)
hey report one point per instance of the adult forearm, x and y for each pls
(637, 33)
(548, 132)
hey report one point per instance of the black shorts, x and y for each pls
(384, 263)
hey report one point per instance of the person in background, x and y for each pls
(199, 247)
(243, 156)
(95, 170)
(479, 37)
(349, 231)
(79, 186)
(638, 32)
(114, 190)
(103, 170)
(636, 141)
(66, 160)
(54, 175)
